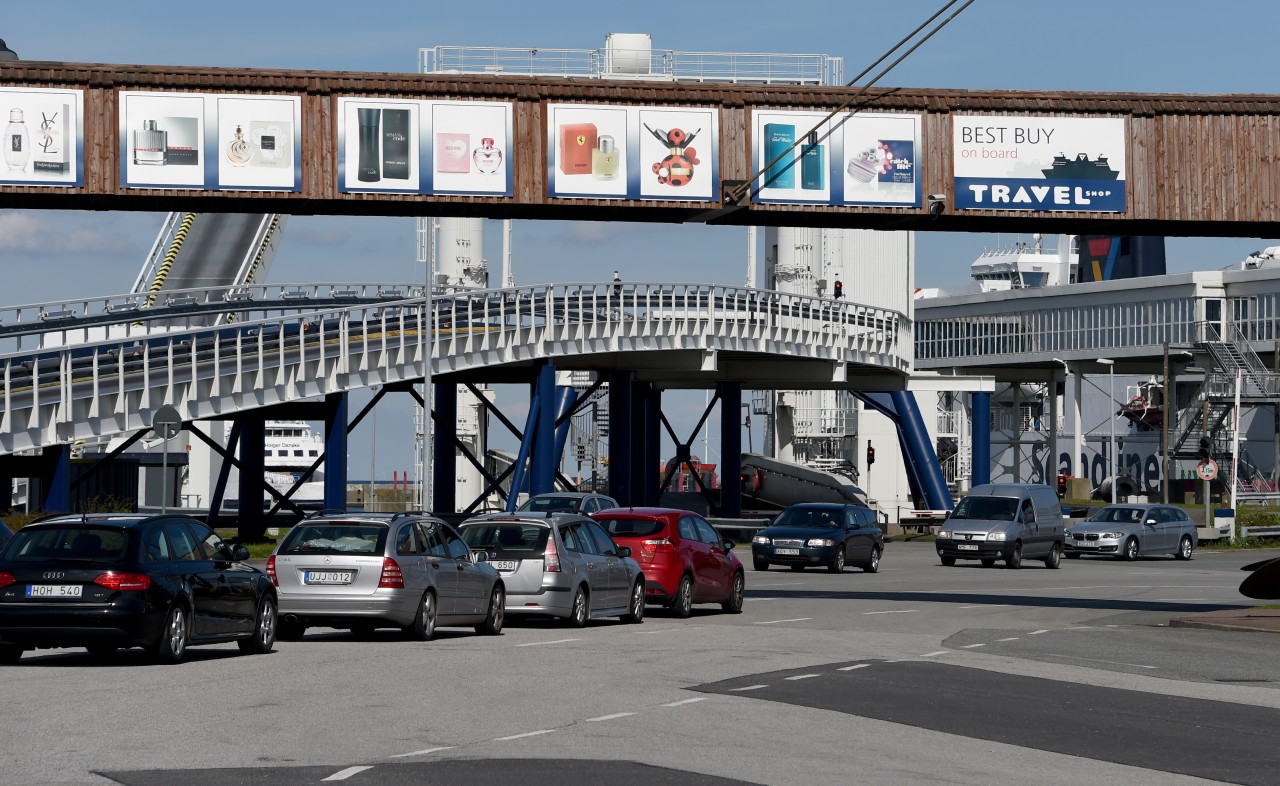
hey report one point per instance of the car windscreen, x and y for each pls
(632, 528)
(1118, 515)
(511, 539)
(551, 505)
(986, 508)
(68, 544)
(822, 518)
(352, 538)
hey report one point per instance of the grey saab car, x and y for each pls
(1127, 531)
(367, 571)
(559, 564)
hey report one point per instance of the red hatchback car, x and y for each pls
(685, 561)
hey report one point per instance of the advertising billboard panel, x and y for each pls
(43, 137)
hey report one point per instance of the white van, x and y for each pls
(1004, 521)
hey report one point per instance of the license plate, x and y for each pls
(55, 590)
(327, 577)
(967, 546)
(504, 564)
(787, 552)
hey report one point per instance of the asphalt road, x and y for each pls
(920, 675)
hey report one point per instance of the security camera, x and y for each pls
(936, 204)
(937, 197)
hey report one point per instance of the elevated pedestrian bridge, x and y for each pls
(96, 368)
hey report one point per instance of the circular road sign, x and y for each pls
(1207, 469)
(166, 422)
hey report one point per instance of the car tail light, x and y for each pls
(123, 581)
(271, 570)
(551, 560)
(6, 579)
(392, 578)
(656, 545)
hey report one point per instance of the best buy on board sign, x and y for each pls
(1039, 163)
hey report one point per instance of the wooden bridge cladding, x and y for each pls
(1198, 165)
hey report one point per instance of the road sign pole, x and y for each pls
(164, 479)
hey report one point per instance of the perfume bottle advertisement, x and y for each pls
(379, 146)
(880, 160)
(796, 148)
(678, 153)
(162, 141)
(43, 138)
(589, 151)
(256, 143)
(470, 148)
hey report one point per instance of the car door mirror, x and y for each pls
(1151, 521)
(728, 544)
(239, 553)
(479, 556)
(624, 551)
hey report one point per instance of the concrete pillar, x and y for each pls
(981, 438)
(1078, 462)
(444, 457)
(335, 451)
(620, 437)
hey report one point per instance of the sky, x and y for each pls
(1159, 46)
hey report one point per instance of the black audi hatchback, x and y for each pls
(109, 581)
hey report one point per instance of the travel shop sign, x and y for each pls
(1039, 163)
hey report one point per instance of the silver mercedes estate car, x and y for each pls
(559, 564)
(366, 571)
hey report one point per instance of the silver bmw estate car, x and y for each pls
(1127, 531)
(367, 571)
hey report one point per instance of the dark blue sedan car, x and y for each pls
(817, 533)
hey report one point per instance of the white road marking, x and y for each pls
(1180, 600)
(614, 716)
(749, 687)
(803, 676)
(423, 752)
(1112, 662)
(779, 583)
(895, 611)
(987, 606)
(684, 701)
(1011, 638)
(931, 654)
(755, 599)
(1081, 627)
(540, 643)
(855, 666)
(526, 734)
(775, 622)
(971, 646)
(342, 775)
(1038, 632)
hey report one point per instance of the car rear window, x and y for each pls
(632, 528)
(68, 544)
(350, 538)
(507, 538)
(551, 505)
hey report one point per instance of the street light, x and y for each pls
(1111, 377)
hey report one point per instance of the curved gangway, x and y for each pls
(93, 368)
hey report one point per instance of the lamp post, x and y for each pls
(1111, 379)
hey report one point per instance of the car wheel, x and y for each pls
(733, 603)
(635, 611)
(797, 568)
(1130, 551)
(289, 631)
(947, 561)
(873, 564)
(173, 637)
(837, 562)
(988, 563)
(1054, 560)
(581, 609)
(10, 653)
(423, 627)
(492, 624)
(1014, 560)
(264, 630)
(1184, 548)
(760, 564)
(682, 606)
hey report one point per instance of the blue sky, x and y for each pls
(1174, 46)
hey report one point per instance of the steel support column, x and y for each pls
(253, 444)
(730, 394)
(542, 472)
(621, 388)
(335, 451)
(56, 479)
(444, 454)
(981, 439)
(6, 493)
(651, 466)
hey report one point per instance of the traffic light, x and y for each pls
(1204, 447)
(871, 455)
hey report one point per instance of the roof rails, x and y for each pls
(326, 512)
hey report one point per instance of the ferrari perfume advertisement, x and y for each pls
(1066, 164)
(210, 141)
(43, 137)
(424, 147)
(850, 159)
(615, 152)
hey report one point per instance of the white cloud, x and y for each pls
(27, 233)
